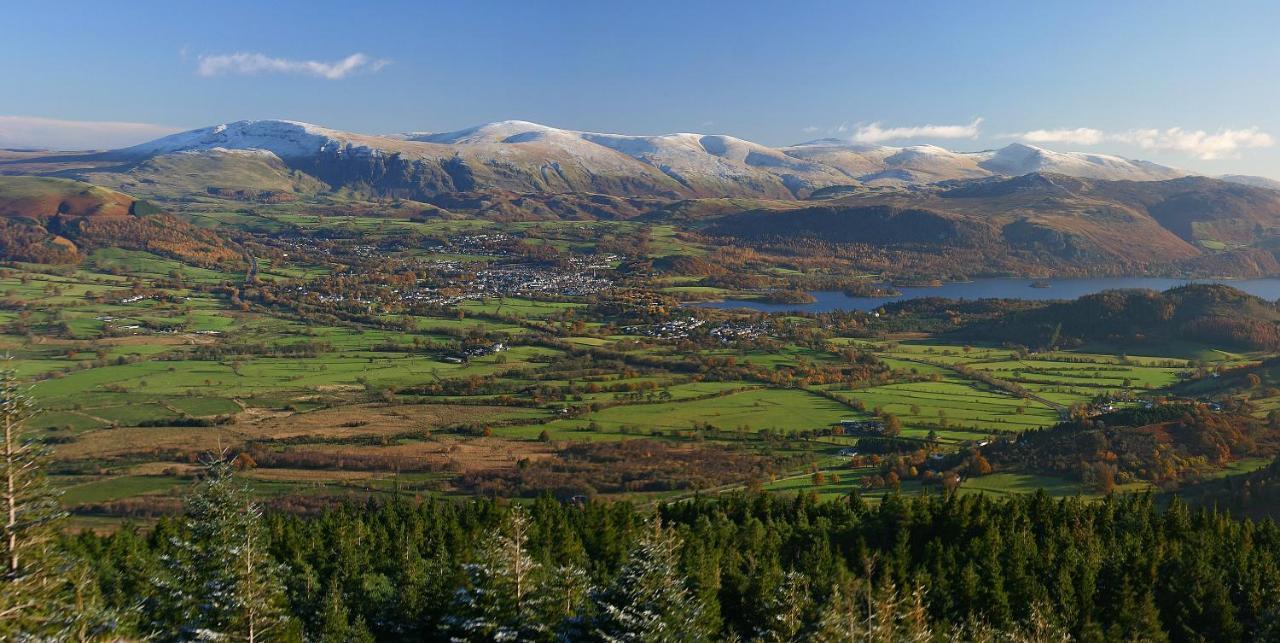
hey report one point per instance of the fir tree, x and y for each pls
(32, 595)
(85, 614)
(336, 624)
(786, 611)
(567, 591)
(650, 601)
(505, 598)
(223, 583)
(872, 616)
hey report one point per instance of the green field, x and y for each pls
(176, 358)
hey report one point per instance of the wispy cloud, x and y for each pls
(58, 134)
(243, 63)
(1226, 143)
(1076, 136)
(876, 133)
(1198, 143)
(810, 129)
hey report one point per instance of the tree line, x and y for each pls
(748, 566)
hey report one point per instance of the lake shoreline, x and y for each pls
(993, 288)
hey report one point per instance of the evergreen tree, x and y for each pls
(650, 601)
(1037, 628)
(336, 624)
(223, 583)
(85, 614)
(567, 592)
(872, 616)
(32, 595)
(505, 599)
(786, 612)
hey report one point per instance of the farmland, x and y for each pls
(375, 354)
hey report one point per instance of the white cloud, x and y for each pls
(255, 63)
(1077, 136)
(810, 129)
(1197, 143)
(57, 134)
(875, 133)
(1201, 144)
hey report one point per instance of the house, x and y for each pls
(862, 426)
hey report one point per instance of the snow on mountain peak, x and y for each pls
(280, 137)
(700, 163)
(512, 131)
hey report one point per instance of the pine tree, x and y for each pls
(567, 591)
(85, 614)
(786, 611)
(32, 595)
(872, 616)
(223, 582)
(650, 601)
(1037, 628)
(336, 625)
(504, 599)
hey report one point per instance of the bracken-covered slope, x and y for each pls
(49, 220)
(524, 157)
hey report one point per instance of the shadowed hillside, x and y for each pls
(1204, 313)
(1192, 224)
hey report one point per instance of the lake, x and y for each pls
(1268, 289)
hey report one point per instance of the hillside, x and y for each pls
(1255, 181)
(1164, 445)
(524, 157)
(47, 220)
(1210, 314)
(41, 198)
(1059, 222)
(1254, 495)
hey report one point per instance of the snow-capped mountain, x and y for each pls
(521, 156)
(1255, 181)
(286, 139)
(1018, 158)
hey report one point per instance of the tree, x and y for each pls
(892, 425)
(649, 601)
(222, 581)
(32, 593)
(336, 625)
(866, 614)
(785, 620)
(506, 598)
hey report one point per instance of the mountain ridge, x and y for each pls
(522, 156)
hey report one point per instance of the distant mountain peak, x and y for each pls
(1018, 146)
(283, 137)
(524, 156)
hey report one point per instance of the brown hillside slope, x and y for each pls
(47, 220)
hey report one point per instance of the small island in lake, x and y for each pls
(1040, 284)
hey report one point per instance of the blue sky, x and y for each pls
(1184, 83)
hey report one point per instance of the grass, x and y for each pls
(93, 373)
(1011, 483)
(782, 410)
(115, 488)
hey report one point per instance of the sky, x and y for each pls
(1188, 84)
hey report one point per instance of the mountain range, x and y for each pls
(1058, 222)
(1019, 209)
(528, 158)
